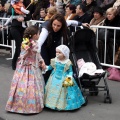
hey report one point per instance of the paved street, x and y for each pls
(95, 110)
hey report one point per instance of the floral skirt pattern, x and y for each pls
(63, 98)
(27, 90)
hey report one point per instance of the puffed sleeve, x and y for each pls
(70, 71)
(50, 67)
(52, 64)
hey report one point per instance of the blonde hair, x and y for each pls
(52, 10)
(112, 10)
(6, 6)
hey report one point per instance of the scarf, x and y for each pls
(96, 22)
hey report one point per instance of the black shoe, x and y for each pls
(13, 67)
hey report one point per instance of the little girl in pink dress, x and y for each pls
(27, 87)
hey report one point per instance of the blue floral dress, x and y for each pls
(59, 97)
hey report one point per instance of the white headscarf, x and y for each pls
(65, 50)
(14, 1)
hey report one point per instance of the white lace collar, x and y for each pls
(63, 62)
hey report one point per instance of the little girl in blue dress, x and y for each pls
(61, 90)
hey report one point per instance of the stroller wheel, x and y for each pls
(86, 101)
(96, 91)
(107, 98)
(93, 91)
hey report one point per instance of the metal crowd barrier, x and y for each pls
(2, 40)
(105, 44)
(33, 22)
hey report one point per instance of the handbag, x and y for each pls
(114, 74)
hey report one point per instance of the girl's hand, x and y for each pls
(42, 64)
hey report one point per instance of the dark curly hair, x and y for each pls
(30, 31)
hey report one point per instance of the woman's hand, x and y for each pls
(42, 64)
(20, 18)
(0, 26)
(86, 25)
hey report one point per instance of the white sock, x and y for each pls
(23, 24)
(25, 11)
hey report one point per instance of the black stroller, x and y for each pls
(83, 45)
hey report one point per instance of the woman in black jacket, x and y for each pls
(54, 32)
(112, 20)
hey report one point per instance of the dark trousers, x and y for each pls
(17, 35)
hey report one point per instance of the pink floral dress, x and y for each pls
(27, 87)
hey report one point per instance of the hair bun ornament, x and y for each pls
(30, 36)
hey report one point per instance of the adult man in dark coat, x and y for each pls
(82, 16)
(1, 9)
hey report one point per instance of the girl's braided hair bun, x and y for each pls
(30, 31)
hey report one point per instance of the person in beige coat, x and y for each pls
(98, 18)
(116, 4)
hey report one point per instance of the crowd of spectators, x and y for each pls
(80, 10)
